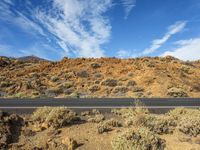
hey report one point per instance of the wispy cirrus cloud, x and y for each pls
(156, 43)
(79, 26)
(186, 50)
(172, 30)
(128, 6)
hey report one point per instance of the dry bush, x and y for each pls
(155, 123)
(41, 114)
(131, 112)
(190, 125)
(55, 116)
(141, 139)
(113, 123)
(124, 112)
(188, 120)
(97, 118)
(108, 125)
(101, 128)
(176, 92)
(181, 111)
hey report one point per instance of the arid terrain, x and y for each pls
(124, 129)
(104, 77)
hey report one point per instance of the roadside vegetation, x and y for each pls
(123, 129)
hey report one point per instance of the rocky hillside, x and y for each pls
(104, 77)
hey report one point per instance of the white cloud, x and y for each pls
(79, 26)
(18, 19)
(187, 49)
(157, 43)
(128, 6)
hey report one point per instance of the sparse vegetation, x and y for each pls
(114, 77)
(140, 139)
(55, 116)
(176, 92)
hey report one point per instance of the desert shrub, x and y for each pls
(131, 112)
(120, 89)
(82, 74)
(108, 125)
(131, 83)
(140, 139)
(113, 123)
(95, 65)
(55, 116)
(176, 92)
(101, 128)
(109, 82)
(41, 114)
(96, 119)
(190, 125)
(155, 123)
(94, 88)
(178, 113)
(54, 78)
(136, 89)
(188, 120)
(5, 84)
(67, 85)
(69, 75)
(53, 92)
(130, 74)
(98, 75)
(186, 69)
(96, 111)
(124, 112)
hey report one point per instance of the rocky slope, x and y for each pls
(104, 77)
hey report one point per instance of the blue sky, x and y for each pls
(53, 29)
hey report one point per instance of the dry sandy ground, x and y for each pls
(88, 139)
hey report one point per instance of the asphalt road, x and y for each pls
(100, 103)
(28, 105)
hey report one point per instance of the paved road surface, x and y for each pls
(99, 103)
(102, 103)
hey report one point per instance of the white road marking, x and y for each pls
(100, 107)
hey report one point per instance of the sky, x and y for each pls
(54, 29)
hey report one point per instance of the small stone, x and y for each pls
(45, 125)
(196, 140)
(71, 143)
